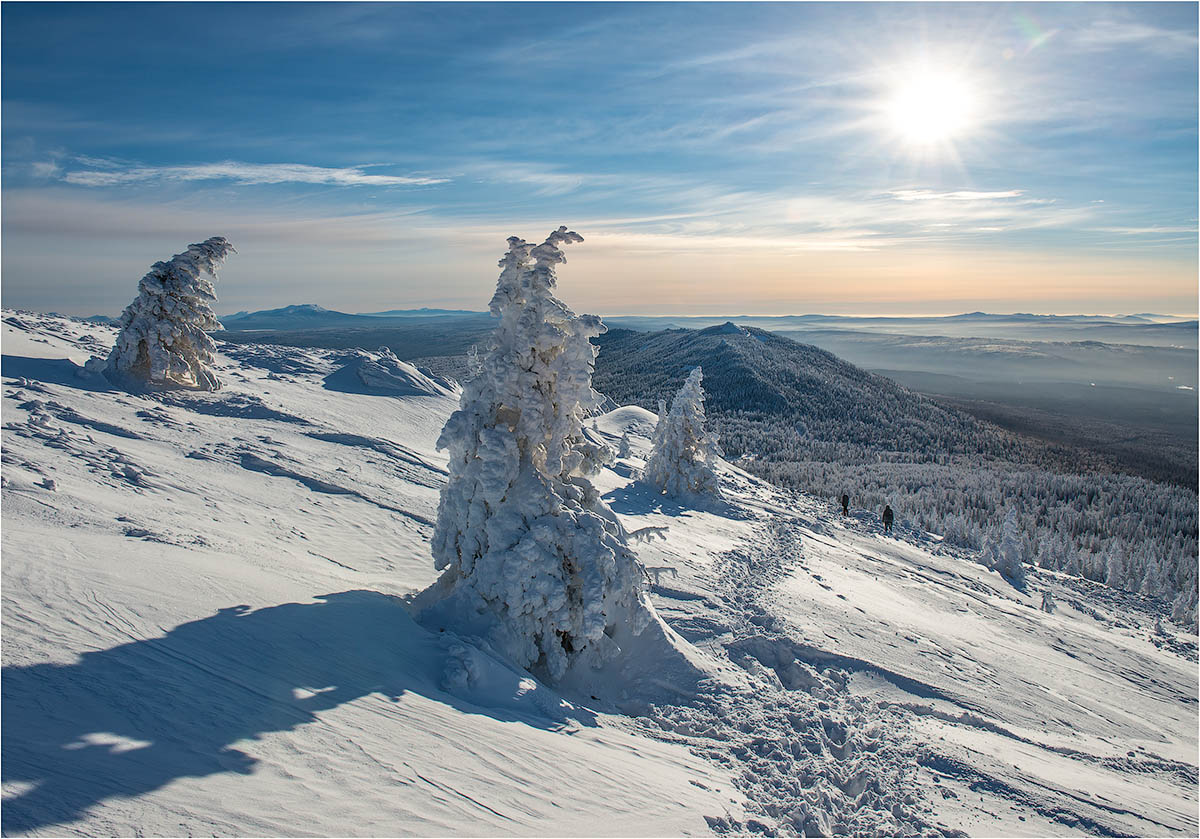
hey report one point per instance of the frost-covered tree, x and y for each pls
(1183, 609)
(623, 447)
(682, 458)
(164, 332)
(474, 365)
(531, 556)
(1007, 553)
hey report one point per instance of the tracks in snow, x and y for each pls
(812, 759)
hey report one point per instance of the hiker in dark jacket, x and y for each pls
(845, 504)
(887, 519)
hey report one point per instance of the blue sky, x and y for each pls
(734, 158)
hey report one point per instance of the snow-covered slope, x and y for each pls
(205, 631)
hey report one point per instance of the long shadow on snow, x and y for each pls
(177, 703)
(638, 498)
(58, 371)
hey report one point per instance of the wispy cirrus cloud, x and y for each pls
(45, 169)
(959, 195)
(1147, 231)
(544, 179)
(241, 173)
(98, 162)
(1110, 34)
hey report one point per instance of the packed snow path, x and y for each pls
(205, 632)
(813, 759)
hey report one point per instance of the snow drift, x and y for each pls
(383, 373)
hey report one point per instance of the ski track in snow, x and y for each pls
(205, 634)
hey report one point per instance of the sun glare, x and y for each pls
(928, 108)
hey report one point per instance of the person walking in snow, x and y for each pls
(845, 504)
(1047, 601)
(887, 519)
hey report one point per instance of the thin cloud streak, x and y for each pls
(1147, 231)
(961, 195)
(244, 174)
(1111, 34)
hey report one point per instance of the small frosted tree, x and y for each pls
(164, 332)
(623, 447)
(683, 453)
(1184, 607)
(1006, 554)
(474, 365)
(531, 556)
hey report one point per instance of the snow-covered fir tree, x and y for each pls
(164, 332)
(1183, 609)
(531, 556)
(1007, 553)
(682, 458)
(623, 447)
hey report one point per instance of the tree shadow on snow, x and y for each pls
(130, 719)
(639, 498)
(57, 371)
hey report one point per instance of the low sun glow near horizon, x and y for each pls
(762, 159)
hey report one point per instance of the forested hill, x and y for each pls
(803, 418)
(810, 398)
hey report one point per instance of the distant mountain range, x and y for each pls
(1027, 316)
(311, 316)
(775, 321)
(1143, 328)
(1146, 329)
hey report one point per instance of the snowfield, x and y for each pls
(206, 630)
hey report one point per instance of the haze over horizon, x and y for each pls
(763, 159)
(225, 311)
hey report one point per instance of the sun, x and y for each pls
(928, 109)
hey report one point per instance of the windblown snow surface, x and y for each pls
(206, 632)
